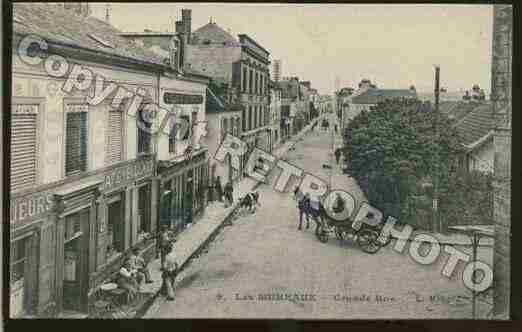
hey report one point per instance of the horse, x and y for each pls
(250, 201)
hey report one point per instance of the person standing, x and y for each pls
(165, 241)
(304, 208)
(337, 155)
(169, 273)
(218, 188)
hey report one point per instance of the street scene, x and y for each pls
(175, 160)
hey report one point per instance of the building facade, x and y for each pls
(87, 176)
(275, 113)
(242, 64)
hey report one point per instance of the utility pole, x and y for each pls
(436, 222)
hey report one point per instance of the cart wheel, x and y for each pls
(367, 240)
(322, 235)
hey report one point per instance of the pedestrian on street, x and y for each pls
(229, 194)
(337, 155)
(304, 208)
(219, 188)
(335, 128)
(165, 240)
(168, 274)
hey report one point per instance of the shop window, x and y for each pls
(186, 119)
(166, 204)
(144, 126)
(76, 142)
(17, 270)
(144, 223)
(115, 227)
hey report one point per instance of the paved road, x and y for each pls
(265, 254)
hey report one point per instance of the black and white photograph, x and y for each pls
(309, 161)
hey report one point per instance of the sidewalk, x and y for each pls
(192, 240)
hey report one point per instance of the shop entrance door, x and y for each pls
(75, 250)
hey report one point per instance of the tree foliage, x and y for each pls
(399, 151)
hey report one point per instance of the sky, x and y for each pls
(395, 46)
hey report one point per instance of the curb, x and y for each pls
(140, 312)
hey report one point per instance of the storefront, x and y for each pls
(183, 187)
(68, 237)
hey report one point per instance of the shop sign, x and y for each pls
(184, 99)
(128, 173)
(30, 206)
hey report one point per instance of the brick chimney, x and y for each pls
(186, 19)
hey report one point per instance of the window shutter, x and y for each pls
(76, 143)
(114, 138)
(23, 147)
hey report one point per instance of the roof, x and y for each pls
(374, 96)
(61, 26)
(245, 36)
(214, 33)
(476, 125)
(456, 109)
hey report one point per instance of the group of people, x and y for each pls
(227, 192)
(135, 269)
(133, 273)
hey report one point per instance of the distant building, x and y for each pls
(277, 70)
(475, 131)
(368, 99)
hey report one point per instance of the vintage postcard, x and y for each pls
(274, 161)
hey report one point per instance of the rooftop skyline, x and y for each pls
(393, 45)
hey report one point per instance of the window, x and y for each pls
(23, 146)
(249, 117)
(114, 146)
(250, 83)
(243, 119)
(144, 124)
(172, 133)
(244, 85)
(256, 85)
(76, 140)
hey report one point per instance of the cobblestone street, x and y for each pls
(264, 253)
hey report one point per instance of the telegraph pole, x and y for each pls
(436, 222)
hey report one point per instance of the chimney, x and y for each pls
(186, 19)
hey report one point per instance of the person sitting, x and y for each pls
(127, 279)
(139, 264)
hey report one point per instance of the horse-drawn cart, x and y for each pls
(366, 237)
